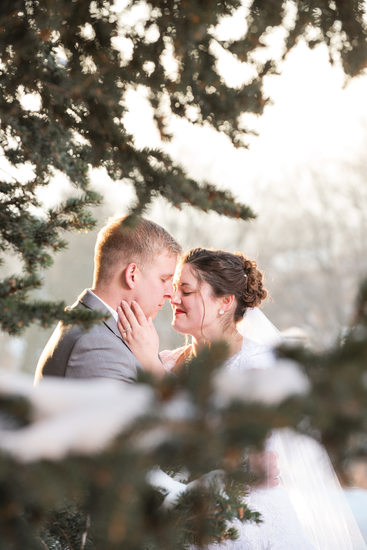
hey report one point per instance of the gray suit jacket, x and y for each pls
(74, 352)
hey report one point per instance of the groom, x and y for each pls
(129, 264)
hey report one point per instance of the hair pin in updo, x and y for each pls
(246, 283)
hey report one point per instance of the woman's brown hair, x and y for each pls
(228, 273)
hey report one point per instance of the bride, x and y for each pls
(216, 297)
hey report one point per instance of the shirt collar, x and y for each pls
(110, 309)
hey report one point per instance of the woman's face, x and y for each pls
(195, 309)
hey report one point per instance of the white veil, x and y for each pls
(306, 471)
(256, 326)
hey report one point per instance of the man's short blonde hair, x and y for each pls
(121, 242)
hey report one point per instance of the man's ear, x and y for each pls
(227, 301)
(130, 274)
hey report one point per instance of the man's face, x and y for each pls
(155, 283)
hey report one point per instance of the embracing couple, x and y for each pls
(134, 268)
(214, 296)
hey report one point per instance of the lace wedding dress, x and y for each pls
(280, 528)
(307, 510)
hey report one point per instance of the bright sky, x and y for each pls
(315, 120)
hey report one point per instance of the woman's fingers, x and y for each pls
(139, 314)
(122, 323)
(139, 334)
(122, 317)
(123, 332)
(129, 315)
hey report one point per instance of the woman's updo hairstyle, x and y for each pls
(228, 273)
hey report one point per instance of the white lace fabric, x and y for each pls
(252, 356)
(171, 357)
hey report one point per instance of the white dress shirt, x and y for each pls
(112, 311)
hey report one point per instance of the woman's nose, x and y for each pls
(175, 298)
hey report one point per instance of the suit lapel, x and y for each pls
(112, 325)
(91, 302)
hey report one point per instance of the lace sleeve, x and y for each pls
(170, 358)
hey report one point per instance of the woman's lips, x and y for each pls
(179, 311)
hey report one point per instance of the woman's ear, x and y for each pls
(130, 274)
(227, 301)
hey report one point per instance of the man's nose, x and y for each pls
(175, 299)
(168, 292)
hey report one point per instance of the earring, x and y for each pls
(221, 312)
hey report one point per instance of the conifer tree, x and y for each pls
(67, 55)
